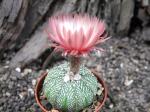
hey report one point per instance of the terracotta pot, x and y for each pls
(39, 85)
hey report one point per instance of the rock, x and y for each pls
(30, 91)
(14, 78)
(127, 8)
(22, 95)
(38, 43)
(122, 65)
(33, 82)
(2, 70)
(146, 34)
(2, 100)
(27, 71)
(11, 85)
(5, 76)
(1, 108)
(23, 109)
(128, 82)
(6, 66)
(8, 94)
(111, 106)
(15, 75)
(99, 68)
(18, 69)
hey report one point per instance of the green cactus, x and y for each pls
(70, 96)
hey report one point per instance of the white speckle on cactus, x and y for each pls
(77, 77)
(70, 77)
(66, 78)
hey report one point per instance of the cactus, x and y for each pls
(72, 95)
(73, 87)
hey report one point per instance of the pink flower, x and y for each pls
(76, 34)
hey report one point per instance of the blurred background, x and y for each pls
(125, 66)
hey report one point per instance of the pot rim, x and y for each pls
(41, 80)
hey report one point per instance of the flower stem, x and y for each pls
(74, 64)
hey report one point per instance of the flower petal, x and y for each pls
(76, 34)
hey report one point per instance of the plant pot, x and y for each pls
(39, 85)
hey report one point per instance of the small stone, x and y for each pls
(145, 67)
(23, 109)
(98, 53)
(14, 78)
(142, 56)
(53, 110)
(111, 106)
(121, 65)
(135, 61)
(22, 74)
(111, 49)
(6, 66)
(11, 84)
(22, 95)
(1, 108)
(5, 77)
(7, 62)
(99, 68)
(8, 94)
(2, 100)
(128, 82)
(33, 82)
(137, 70)
(129, 92)
(90, 64)
(100, 86)
(18, 85)
(99, 92)
(14, 75)
(31, 91)
(2, 70)
(27, 71)
(18, 69)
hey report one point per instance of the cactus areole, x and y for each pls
(70, 86)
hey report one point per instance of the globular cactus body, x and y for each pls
(70, 96)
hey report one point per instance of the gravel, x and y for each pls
(126, 69)
(125, 66)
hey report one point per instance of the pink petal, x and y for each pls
(87, 36)
(95, 36)
(102, 40)
(62, 40)
(73, 40)
(79, 39)
(53, 33)
(66, 37)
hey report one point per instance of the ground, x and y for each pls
(125, 67)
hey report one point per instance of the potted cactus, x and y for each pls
(70, 86)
